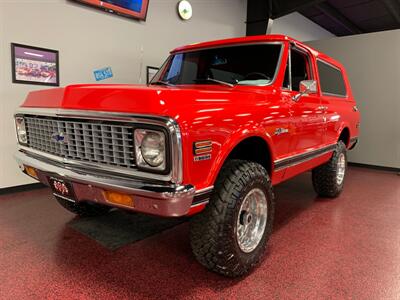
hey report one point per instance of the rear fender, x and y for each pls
(342, 126)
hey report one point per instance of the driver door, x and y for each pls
(307, 115)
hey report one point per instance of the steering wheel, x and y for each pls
(259, 74)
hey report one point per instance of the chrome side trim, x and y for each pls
(200, 203)
(202, 196)
(205, 190)
(176, 174)
(294, 160)
(334, 95)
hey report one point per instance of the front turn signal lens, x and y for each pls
(118, 198)
(31, 172)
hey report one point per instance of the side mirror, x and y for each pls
(306, 87)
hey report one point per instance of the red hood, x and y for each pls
(141, 99)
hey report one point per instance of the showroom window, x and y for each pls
(331, 80)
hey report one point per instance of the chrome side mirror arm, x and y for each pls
(297, 97)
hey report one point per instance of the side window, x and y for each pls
(286, 82)
(331, 80)
(300, 68)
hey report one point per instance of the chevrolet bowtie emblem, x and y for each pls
(59, 137)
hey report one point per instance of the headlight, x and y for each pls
(21, 130)
(150, 149)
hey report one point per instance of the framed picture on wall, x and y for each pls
(134, 9)
(34, 65)
(151, 71)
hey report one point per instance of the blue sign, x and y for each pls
(103, 74)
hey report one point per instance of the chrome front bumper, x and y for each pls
(155, 198)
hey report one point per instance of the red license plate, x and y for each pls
(62, 188)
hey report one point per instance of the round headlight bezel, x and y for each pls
(142, 161)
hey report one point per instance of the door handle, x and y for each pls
(323, 108)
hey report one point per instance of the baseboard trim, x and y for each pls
(390, 169)
(21, 188)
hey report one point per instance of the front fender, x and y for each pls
(231, 142)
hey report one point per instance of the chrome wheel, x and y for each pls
(251, 220)
(341, 169)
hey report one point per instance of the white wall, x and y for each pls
(373, 65)
(89, 39)
(299, 27)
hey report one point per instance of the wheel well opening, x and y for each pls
(345, 136)
(253, 149)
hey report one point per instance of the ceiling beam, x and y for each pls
(337, 17)
(281, 8)
(393, 7)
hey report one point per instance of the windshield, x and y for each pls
(245, 65)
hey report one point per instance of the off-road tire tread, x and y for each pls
(210, 233)
(324, 176)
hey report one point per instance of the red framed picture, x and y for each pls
(136, 9)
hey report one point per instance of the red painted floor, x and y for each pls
(340, 249)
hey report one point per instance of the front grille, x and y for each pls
(91, 141)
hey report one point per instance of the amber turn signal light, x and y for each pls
(118, 198)
(31, 172)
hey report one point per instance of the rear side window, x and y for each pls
(331, 80)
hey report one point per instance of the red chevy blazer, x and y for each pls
(220, 124)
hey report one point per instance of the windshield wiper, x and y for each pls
(161, 82)
(216, 80)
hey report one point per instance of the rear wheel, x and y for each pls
(84, 209)
(230, 236)
(328, 179)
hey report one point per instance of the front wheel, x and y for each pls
(230, 236)
(328, 179)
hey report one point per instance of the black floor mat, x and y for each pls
(118, 228)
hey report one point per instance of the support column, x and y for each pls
(259, 14)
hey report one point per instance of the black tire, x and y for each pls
(325, 177)
(84, 209)
(213, 232)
